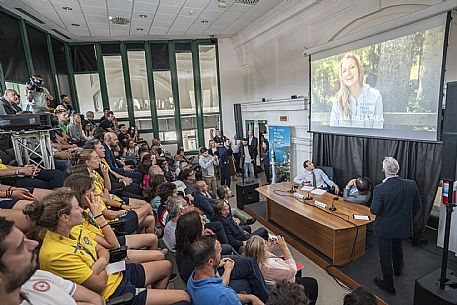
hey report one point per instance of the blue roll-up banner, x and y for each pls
(280, 149)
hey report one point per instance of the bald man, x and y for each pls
(8, 102)
(203, 199)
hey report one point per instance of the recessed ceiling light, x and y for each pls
(67, 8)
(139, 29)
(143, 16)
(204, 21)
(75, 24)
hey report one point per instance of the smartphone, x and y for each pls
(361, 217)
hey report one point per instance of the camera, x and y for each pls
(34, 84)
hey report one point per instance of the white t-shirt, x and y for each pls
(45, 288)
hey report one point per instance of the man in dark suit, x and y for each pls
(224, 152)
(203, 199)
(253, 144)
(7, 102)
(395, 201)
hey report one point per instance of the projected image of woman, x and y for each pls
(357, 104)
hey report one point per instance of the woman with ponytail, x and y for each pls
(83, 261)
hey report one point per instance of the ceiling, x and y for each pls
(82, 20)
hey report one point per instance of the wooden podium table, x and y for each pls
(332, 233)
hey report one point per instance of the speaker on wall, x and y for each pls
(449, 167)
(238, 121)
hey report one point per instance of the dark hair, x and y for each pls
(286, 293)
(154, 182)
(62, 96)
(121, 125)
(46, 212)
(185, 173)
(304, 163)
(110, 113)
(145, 165)
(79, 184)
(79, 169)
(360, 296)
(362, 185)
(98, 133)
(202, 250)
(91, 143)
(203, 150)
(178, 152)
(165, 190)
(6, 227)
(218, 207)
(188, 229)
(221, 191)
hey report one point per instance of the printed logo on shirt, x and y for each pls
(86, 240)
(41, 286)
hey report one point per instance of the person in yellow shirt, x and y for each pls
(93, 219)
(84, 261)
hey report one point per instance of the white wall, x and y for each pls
(266, 59)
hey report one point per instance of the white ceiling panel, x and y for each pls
(168, 9)
(163, 17)
(197, 3)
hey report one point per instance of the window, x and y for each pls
(114, 76)
(189, 133)
(164, 93)
(210, 123)
(88, 91)
(139, 83)
(208, 75)
(185, 83)
(167, 129)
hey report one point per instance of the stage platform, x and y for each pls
(419, 261)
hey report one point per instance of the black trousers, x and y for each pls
(237, 157)
(311, 288)
(390, 257)
(45, 179)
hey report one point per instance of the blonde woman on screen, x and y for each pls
(357, 104)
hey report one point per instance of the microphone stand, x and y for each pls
(308, 197)
(332, 208)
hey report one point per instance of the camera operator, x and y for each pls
(37, 95)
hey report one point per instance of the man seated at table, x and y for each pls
(315, 177)
(357, 191)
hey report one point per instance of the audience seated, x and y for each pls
(94, 224)
(287, 293)
(20, 277)
(31, 176)
(83, 261)
(75, 131)
(7, 102)
(316, 177)
(360, 296)
(237, 235)
(276, 269)
(206, 287)
(188, 177)
(166, 191)
(176, 207)
(225, 193)
(107, 123)
(357, 191)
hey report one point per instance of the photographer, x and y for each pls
(37, 95)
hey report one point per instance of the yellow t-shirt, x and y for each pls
(72, 258)
(2, 166)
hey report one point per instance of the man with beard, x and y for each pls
(21, 282)
(204, 286)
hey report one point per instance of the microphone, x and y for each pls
(308, 197)
(292, 189)
(332, 208)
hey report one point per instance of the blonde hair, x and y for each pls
(255, 248)
(342, 96)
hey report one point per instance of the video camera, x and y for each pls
(35, 84)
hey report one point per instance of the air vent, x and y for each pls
(61, 34)
(250, 2)
(29, 15)
(119, 20)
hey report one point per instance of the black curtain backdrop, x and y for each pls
(362, 157)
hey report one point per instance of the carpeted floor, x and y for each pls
(419, 261)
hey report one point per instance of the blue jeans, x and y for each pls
(249, 171)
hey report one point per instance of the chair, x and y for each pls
(328, 170)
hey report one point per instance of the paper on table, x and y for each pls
(307, 188)
(318, 192)
(115, 267)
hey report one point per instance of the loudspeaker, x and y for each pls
(449, 165)
(427, 291)
(238, 121)
(246, 194)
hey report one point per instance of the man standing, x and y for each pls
(204, 286)
(247, 160)
(316, 177)
(224, 152)
(218, 138)
(253, 144)
(395, 201)
(207, 164)
(21, 282)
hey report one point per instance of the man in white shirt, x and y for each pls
(315, 177)
(21, 283)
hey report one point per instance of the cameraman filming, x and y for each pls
(37, 95)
